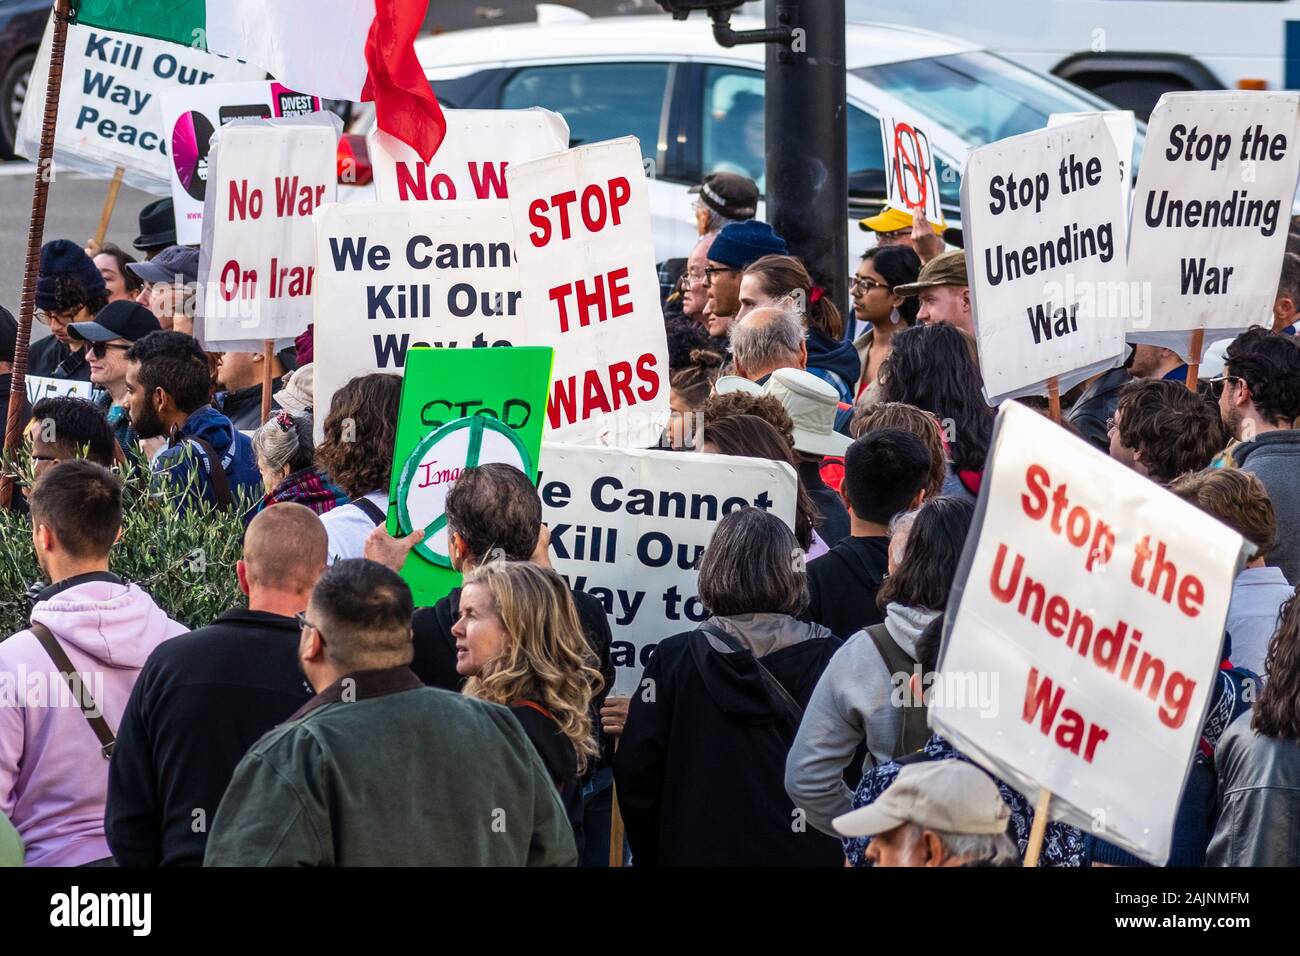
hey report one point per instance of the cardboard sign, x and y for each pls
(1043, 216)
(392, 276)
(42, 386)
(460, 408)
(257, 260)
(472, 160)
(1122, 126)
(191, 116)
(587, 273)
(1211, 213)
(109, 114)
(629, 526)
(911, 176)
(1092, 602)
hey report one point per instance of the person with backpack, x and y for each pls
(90, 634)
(167, 388)
(855, 698)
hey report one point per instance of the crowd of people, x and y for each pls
(329, 721)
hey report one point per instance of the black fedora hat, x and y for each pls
(157, 226)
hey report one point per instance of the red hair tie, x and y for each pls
(815, 293)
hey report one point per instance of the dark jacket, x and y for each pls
(243, 406)
(557, 753)
(50, 358)
(1274, 458)
(391, 773)
(700, 767)
(1259, 799)
(200, 702)
(1096, 406)
(435, 649)
(186, 461)
(842, 585)
(832, 518)
(837, 364)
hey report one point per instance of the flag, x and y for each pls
(336, 49)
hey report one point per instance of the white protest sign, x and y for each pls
(191, 116)
(1043, 218)
(258, 256)
(1211, 213)
(1122, 125)
(109, 113)
(472, 160)
(628, 526)
(911, 177)
(393, 275)
(1093, 602)
(590, 290)
(42, 386)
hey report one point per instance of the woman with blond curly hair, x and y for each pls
(521, 644)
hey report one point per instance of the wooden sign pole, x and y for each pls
(106, 214)
(1194, 365)
(1036, 832)
(268, 359)
(1054, 399)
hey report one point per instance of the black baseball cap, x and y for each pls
(122, 319)
(729, 194)
(157, 226)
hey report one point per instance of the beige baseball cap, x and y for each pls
(949, 795)
(812, 405)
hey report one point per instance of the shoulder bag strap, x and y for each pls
(216, 473)
(767, 676)
(913, 730)
(370, 510)
(94, 716)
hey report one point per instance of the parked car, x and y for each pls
(22, 24)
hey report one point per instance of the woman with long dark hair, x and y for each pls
(882, 269)
(934, 368)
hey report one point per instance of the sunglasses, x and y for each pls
(100, 349)
(1218, 383)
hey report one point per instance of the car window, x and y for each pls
(866, 154)
(598, 100)
(732, 138)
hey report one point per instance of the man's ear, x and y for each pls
(310, 646)
(965, 298)
(918, 499)
(241, 573)
(933, 849)
(803, 354)
(45, 537)
(844, 497)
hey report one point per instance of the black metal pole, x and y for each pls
(806, 152)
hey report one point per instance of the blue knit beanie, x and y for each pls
(740, 243)
(63, 257)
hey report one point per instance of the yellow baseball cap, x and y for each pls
(892, 219)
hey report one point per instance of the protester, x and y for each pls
(689, 389)
(167, 395)
(9, 345)
(284, 453)
(853, 701)
(1286, 305)
(724, 198)
(115, 328)
(65, 428)
(1092, 411)
(897, 227)
(933, 367)
(684, 339)
(520, 644)
(1156, 363)
(698, 768)
(734, 248)
(1238, 499)
(777, 280)
(724, 404)
(1258, 764)
(69, 289)
(1162, 429)
(54, 759)
(943, 292)
(203, 699)
(948, 813)
(296, 396)
(112, 262)
(240, 377)
(766, 339)
(695, 290)
(170, 286)
(1260, 406)
(940, 479)
(876, 301)
(157, 228)
(357, 456)
(885, 473)
(297, 799)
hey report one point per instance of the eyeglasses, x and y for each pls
(858, 282)
(1110, 425)
(303, 624)
(100, 349)
(1218, 383)
(710, 271)
(45, 317)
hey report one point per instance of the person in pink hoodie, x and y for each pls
(53, 770)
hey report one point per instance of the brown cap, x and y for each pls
(947, 268)
(948, 795)
(729, 194)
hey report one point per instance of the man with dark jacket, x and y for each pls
(885, 472)
(1260, 405)
(8, 344)
(1091, 414)
(203, 699)
(69, 289)
(378, 770)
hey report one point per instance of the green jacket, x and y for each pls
(383, 771)
(11, 844)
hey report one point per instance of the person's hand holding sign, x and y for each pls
(391, 552)
(924, 239)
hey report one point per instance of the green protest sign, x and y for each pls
(460, 408)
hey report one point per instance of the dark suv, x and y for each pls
(22, 23)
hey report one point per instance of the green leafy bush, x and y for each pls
(185, 561)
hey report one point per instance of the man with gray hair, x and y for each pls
(768, 339)
(942, 813)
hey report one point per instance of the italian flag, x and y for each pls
(337, 49)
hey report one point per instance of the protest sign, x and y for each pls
(460, 408)
(1122, 125)
(628, 527)
(42, 386)
(390, 276)
(1043, 216)
(191, 116)
(257, 260)
(472, 160)
(1211, 213)
(110, 115)
(1090, 604)
(911, 178)
(587, 273)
